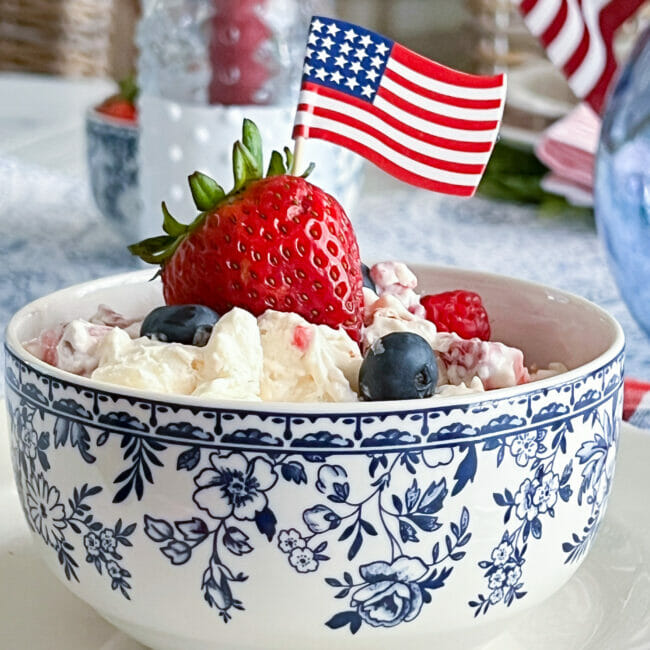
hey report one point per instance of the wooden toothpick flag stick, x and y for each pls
(420, 121)
(298, 147)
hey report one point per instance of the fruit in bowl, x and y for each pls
(112, 136)
(221, 518)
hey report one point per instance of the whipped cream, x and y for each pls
(305, 362)
(229, 366)
(280, 356)
(396, 279)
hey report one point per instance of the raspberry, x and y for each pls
(458, 311)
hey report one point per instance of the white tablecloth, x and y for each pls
(52, 236)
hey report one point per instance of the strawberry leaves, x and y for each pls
(170, 225)
(276, 165)
(208, 195)
(252, 142)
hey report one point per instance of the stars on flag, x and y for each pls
(345, 57)
(345, 48)
(365, 40)
(355, 66)
(333, 29)
(381, 49)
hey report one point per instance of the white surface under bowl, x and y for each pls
(356, 525)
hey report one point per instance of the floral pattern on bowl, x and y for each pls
(385, 510)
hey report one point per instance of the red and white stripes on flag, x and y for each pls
(422, 122)
(578, 37)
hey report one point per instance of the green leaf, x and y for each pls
(239, 167)
(276, 165)
(243, 166)
(289, 158)
(253, 171)
(206, 192)
(515, 174)
(129, 88)
(308, 171)
(252, 140)
(155, 250)
(170, 225)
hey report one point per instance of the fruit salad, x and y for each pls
(266, 298)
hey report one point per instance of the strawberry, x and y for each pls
(122, 105)
(458, 311)
(275, 242)
(116, 106)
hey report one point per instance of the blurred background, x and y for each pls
(97, 38)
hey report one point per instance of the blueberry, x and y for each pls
(400, 365)
(367, 280)
(189, 324)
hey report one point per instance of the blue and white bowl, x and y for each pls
(112, 158)
(204, 524)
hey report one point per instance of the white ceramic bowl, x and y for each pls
(260, 526)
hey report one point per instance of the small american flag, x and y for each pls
(422, 122)
(578, 37)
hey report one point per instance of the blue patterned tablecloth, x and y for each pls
(51, 236)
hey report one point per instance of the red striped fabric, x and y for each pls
(441, 72)
(385, 163)
(462, 102)
(436, 118)
(578, 37)
(447, 165)
(428, 138)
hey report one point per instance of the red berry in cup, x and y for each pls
(458, 311)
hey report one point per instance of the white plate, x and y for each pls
(606, 605)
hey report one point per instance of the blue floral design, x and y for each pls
(232, 490)
(535, 498)
(417, 463)
(392, 591)
(392, 594)
(232, 486)
(51, 517)
(46, 512)
(597, 460)
(524, 447)
(538, 495)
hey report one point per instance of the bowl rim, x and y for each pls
(16, 348)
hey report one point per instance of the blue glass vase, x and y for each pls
(622, 182)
